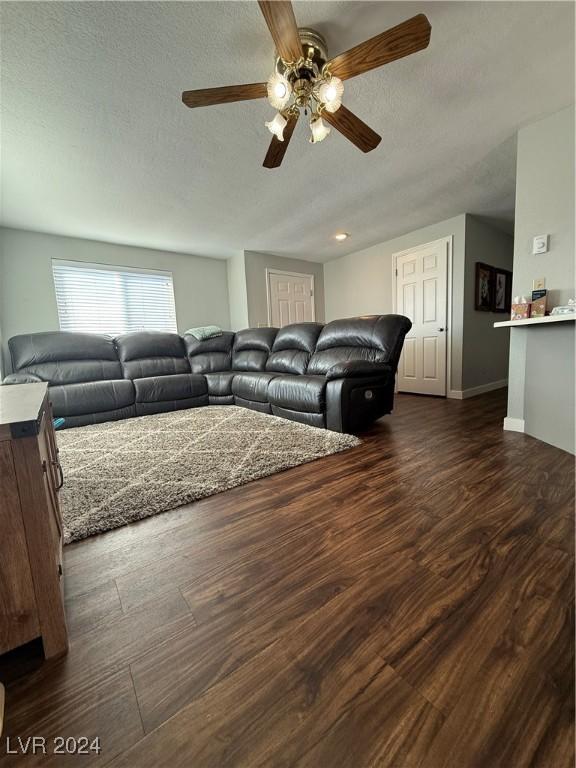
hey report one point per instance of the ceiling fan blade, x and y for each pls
(406, 38)
(277, 149)
(281, 22)
(206, 97)
(353, 128)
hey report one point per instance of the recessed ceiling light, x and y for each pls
(341, 236)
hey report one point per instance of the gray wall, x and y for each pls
(28, 301)
(237, 294)
(2, 339)
(485, 349)
(361, 283)
(541, 373)
(545, 205)
(549, 392)
(257, 263)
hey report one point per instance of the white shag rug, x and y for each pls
(121, 471)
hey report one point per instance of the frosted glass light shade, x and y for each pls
(330, 94)
(319, 130)
(277, 125)
(279, 90)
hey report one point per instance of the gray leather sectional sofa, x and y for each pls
(339, 376)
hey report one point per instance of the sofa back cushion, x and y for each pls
(376, 338)
(251, 348)
(62, 357)
(151, 353)
(293, 347)
(211, 355)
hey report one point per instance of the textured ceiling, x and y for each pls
(97, 144)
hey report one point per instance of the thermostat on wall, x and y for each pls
(540, 244)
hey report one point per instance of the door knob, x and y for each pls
(441, 329)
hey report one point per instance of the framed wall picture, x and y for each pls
(502, 290)
(484, 297)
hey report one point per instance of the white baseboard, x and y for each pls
(464, 394)
(513, 425)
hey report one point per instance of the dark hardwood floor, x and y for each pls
(406, 603)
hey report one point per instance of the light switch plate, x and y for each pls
(540, 244)
(539, 283)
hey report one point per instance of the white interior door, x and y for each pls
(290, 298)
(421, 290)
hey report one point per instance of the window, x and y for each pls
(95, 298)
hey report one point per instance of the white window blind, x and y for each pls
(95, 298)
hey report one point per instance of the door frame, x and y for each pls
(271, 271)
(449, 243)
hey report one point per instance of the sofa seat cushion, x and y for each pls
(252, 386)
(91, 397)
(299, 393)
(179, 386)
(219, 383)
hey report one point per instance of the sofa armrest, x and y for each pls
(358, 368)
(21, 378)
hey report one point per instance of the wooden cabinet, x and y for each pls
(31, 589)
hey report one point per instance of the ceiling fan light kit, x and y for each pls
(308, 83)
(279, 90)
(330, 93)
(277, 125)
(319, 129)
(304, 79)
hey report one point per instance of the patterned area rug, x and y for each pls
(122, 471)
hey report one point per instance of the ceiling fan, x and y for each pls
(305, 79)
